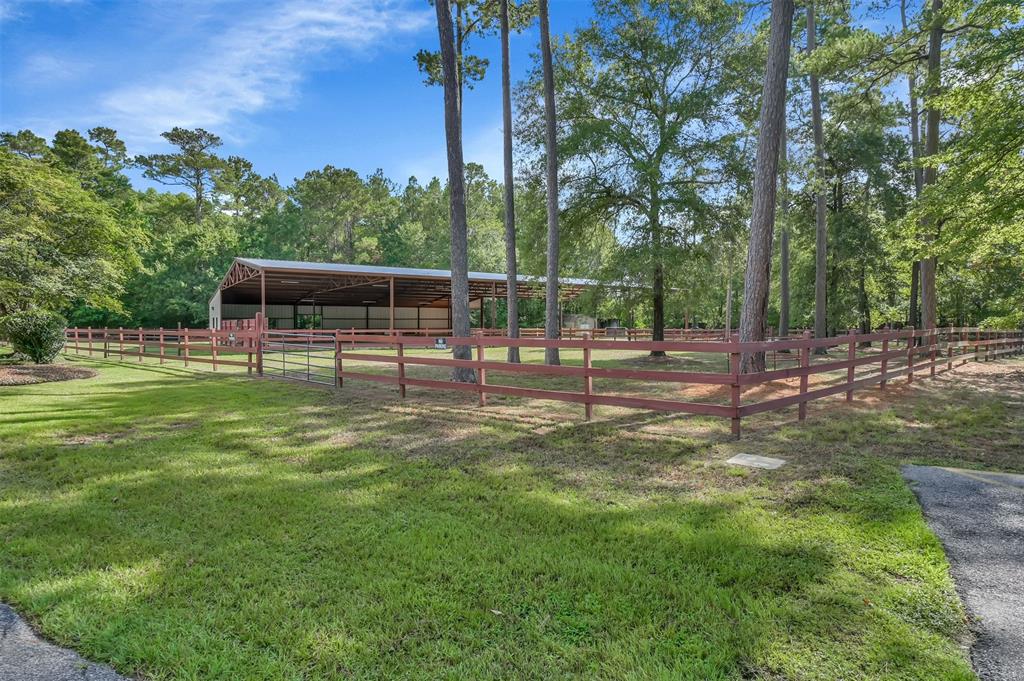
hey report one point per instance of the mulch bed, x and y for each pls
(25, 374)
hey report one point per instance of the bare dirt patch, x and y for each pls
(84, 440)
(27, 374)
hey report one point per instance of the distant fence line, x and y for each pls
(610, 332)
(325, 357)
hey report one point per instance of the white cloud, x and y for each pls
(12, 9)
(47, 69)
(252, 65)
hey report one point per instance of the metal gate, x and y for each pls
(300, 355)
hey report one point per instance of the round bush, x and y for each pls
(37, 334)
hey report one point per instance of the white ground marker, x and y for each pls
(754, 461)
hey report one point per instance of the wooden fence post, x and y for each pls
(910, 356)
(482, 382)
(401, 368)
(588, 380)
(885, 362)
(76, 340)
(186, 345)
(88, 337)
(162, 353)
(259, 344)
(337, 357)
(248, 355)
(734, 369)
(805, 362)
(851, 355)
(213, 348)
(934, 347)
(120, 342)
(142, 345)
(949, 349)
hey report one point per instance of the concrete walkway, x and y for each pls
(979, 517)
(24, 656)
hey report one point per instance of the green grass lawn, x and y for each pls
(182, 525)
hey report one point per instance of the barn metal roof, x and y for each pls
(252, 280)
(410, 272)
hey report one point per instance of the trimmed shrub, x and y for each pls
(37, 334)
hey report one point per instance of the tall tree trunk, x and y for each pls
(727, 317)
(915, 151)
(512, 298)
(457, 192)
(820, 224)
(915, 278)
(658, 273)
(552, 326)
(784, 237)
(915, 130)
(350, 242)
(197, 189)
(460, 37)
(762, 221)
(862, 302)
(929, 307)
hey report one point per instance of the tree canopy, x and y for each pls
(657, 126)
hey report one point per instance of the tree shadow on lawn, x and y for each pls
(280, 529)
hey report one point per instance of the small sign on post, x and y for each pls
(440, 344)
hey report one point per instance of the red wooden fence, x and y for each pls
(893, 354)
(215, 348)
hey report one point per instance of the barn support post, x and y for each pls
(263, 294)
(391, 304)
(494, 306)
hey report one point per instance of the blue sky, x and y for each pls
(292, 85)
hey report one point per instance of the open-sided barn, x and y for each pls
(293, 294)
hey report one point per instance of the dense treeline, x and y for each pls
(656, 134)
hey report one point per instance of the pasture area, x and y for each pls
(189, 525)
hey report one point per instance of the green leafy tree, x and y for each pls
(37, 334)
(644, 93)
(193, 166)
(59, 244)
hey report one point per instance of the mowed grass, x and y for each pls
(181, 525)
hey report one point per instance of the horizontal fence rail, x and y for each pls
(189, 346)
(331, 357)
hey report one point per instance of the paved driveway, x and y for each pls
(26, 657)
(979, 517)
